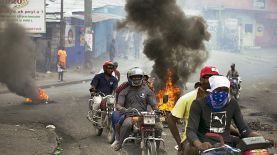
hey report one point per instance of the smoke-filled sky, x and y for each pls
(174, 40)
(17, 63)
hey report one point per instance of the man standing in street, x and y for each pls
(61, 62)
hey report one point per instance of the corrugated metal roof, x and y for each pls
(78, 5)
(96, 17)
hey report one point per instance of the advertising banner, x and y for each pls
(69, 36)
(28, 13)
(259, 4)
(89, 39)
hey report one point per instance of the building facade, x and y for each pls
(239, 24)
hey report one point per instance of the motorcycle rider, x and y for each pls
(116, 116)
(234, 74)
(116, 73)
(104, 82)
(214, 113)
(136, 95)
(149, 82)
(182, 106)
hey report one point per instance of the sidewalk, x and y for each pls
(47, 80)
(74, 75)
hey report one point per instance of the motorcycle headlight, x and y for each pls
(149, 119)
(97, 99)
(111, 100)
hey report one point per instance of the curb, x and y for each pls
(53, 85)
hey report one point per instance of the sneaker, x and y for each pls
(114, 143)
(48, 72)
(117, 147)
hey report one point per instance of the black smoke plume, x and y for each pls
(174, 41)
(17, 57)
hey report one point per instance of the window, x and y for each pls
(248, 28)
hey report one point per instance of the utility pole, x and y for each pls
(62, 29)
(88, 34)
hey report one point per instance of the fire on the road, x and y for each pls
(168, 95)
(42, 96)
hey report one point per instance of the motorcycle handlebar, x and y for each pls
(215, 147)
(108, 96)
(158, 112)
(97, 93)
(134, 111)
(219, 137)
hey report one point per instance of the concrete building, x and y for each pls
(239, 24)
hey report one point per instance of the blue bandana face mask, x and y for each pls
(217, 100)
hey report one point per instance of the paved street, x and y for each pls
(68, 106)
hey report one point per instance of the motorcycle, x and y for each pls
(101, 107)
(235, 87)
(143, 131)
(247, 146)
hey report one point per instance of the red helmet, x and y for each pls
(106, 63)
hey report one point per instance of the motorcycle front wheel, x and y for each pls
(97, 121)
(150, 148)
(110, 133)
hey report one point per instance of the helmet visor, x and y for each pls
(136, 80)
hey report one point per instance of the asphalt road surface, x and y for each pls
(22, 126)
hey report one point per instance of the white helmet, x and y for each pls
(135, 72)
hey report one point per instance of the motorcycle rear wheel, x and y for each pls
(98, 131)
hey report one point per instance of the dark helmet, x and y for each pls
(146, 77)
(115, 64)
(233, 65)
(135, 72)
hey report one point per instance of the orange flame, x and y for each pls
(170, 91)
(42, 96)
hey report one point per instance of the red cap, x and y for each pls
(208, 70)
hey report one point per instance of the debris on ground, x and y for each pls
(58, 149)
(50, 127)
(257, 125)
